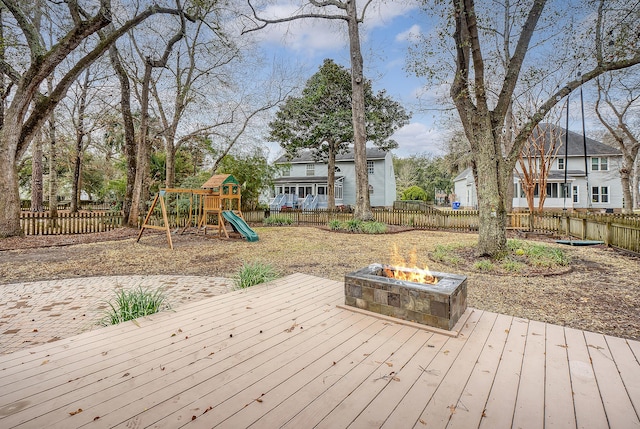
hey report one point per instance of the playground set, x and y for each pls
(213, 205)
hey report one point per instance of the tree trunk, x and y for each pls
(493, 175)
(53, 174)
(636, 183)
(363, 204)
(331, 177)
(37, 194)
(80, 133)
(129, 134)
(10, 201)
(626, 179)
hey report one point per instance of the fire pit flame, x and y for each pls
(408, 271)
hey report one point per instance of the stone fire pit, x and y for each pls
(439, 305)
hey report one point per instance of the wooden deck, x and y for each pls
(283, 355)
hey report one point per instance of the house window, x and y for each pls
(338, 191)
(599, 164)
(311, 169)
(600, 194)
(575, 194)
(370, 190)
(560, 163)
(286, 170)
(552, 190)
(370, 168)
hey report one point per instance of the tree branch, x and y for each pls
(45, 105)
(266, 22)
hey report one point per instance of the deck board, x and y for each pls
(284, 355)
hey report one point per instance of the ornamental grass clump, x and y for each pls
(358, 226)
(253, 273)
(277, 220)
(134, 303)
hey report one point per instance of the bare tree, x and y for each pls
(483, 120)
(347, 12)
(536, 158)
(617, 104)
(29, 108)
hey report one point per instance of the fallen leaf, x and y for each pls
(35, 330)
(564, 346)
(423, 422)
(193, 418)
(96, 418)
(506, 331)
(208, 409)
(446, 352)
(389, 364)
(258, 400)
(595, 347)
(135, 322)
(249, 308)
(452, 409)
(125, 374)
(179, 330)
(73, 413)
(44, 362)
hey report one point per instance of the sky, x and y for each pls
(385, 36)
(388, 30)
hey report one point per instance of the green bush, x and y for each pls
(134, 303)
(414, 193)
(335, 225)
(373, 227)
(353, 225)
(253, 273)
(277, 220)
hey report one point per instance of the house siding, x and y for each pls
(382, 180)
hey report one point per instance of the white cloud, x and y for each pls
(410, 35)
(418, 138)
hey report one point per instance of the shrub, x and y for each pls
(373, 227)
(335, 225)
(539, 254)
(277, 220)
(353, 225)
(251, 274)
(414, 193)
(134, 303)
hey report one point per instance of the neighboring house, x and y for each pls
(303, 181)
(596, 187)
(464, 188)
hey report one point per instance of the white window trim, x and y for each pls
(370, 167)
(311, 169)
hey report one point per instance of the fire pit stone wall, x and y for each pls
(439, 305)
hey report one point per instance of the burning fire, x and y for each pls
(408, 271)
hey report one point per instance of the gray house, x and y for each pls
(593, 181)
(303, 181)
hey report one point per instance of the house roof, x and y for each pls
(218, 180)
(575, 145)
(307, 156)
(463, 175)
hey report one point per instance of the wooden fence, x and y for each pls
(617, 230)
(69, 223)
